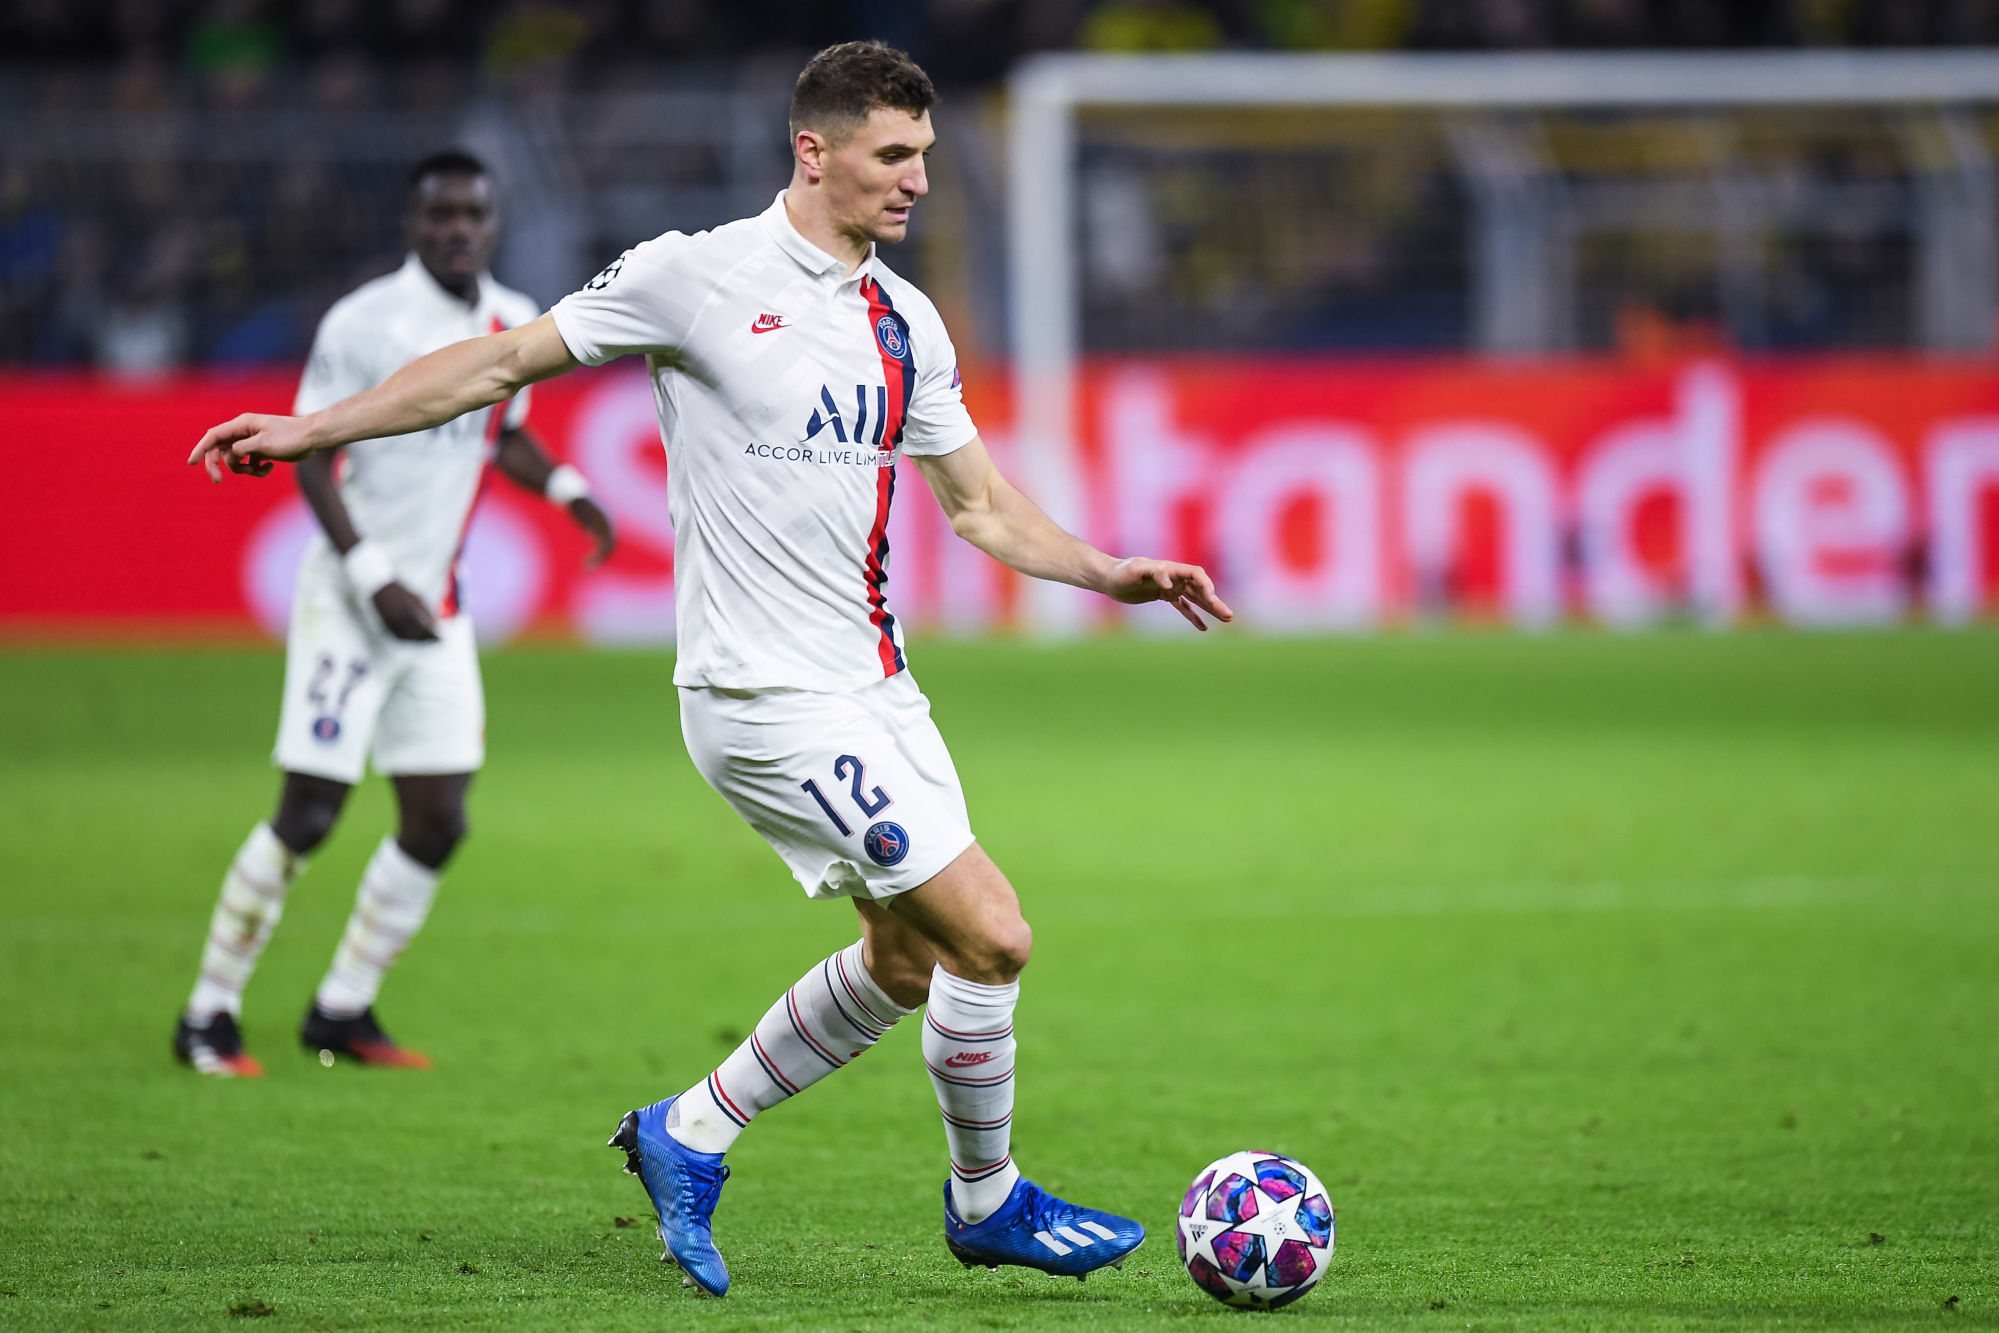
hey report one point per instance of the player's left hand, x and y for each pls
(1186, 588)
(249, 444)
(590, 517)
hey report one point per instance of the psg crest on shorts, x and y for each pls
(889, 330)
(326, 730)
(886, 843)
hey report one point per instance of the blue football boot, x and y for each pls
(684, 1186)
(1034, 1229)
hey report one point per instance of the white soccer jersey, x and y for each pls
(410, 494)
(786, 389)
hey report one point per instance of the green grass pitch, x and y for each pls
(1609, 982)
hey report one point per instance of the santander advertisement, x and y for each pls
(1324, 495)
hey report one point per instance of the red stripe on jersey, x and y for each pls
(899, 371)
(899, 375)
(877, 573)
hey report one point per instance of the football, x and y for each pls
(1255, 1230)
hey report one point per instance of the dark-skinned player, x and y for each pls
(380, 662)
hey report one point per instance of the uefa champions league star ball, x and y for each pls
(1255, 1230)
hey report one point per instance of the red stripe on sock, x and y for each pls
(982, 1173)
(715, 1086)
(969, 1036)
(950, 1077)
(771, 1065)
(840, 961)
(798, 1021)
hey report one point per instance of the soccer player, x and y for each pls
(791, 368)
(380, 660)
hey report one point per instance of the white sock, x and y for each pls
(253, 898)
(834, 1013)
(395, 897)
(968, 1045)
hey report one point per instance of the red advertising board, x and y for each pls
(1342, 494)
(1328, 494)
(106, 532)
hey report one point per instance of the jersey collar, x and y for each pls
(417, 278)
(777, 225)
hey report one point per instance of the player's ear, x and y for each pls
(811, 148)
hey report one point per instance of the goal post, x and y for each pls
(1521, 263)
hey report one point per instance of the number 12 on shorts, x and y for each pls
(871, 803)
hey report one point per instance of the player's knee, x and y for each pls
(1016, 946)
(302, 825)
(1002, 952)
(434, 835)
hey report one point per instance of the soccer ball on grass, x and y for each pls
(1255, 1230)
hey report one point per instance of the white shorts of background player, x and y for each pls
(838, 783)
(355, 693)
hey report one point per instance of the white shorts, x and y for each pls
(855, 790)
(353, 692)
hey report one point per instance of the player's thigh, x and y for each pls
(904, 711)
(967, 912)
(434, 718)
(335, 683)
(827, 785)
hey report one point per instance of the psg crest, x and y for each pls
(886, 843)
(889, 330)
(326, 730)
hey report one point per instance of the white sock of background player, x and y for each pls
(252, 900)
(834, 1013)
(395, 897)
(968, 1046)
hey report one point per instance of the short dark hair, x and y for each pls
(843, 83)
(445, 162)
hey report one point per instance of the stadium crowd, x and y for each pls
(142, 259)
(964, 40)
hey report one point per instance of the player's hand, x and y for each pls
(590, 517)
(404, 614)
(250, 444)
(1186, 588)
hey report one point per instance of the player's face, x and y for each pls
(452, 226)
(875, 175)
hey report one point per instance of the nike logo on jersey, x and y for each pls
(766, 323)
(966, 1059)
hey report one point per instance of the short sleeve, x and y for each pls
(644, 301)
(339, 366)
(936, 421)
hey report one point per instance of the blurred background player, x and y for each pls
(380, 660)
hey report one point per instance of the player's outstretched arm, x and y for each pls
(427, 392)
(990, 513)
